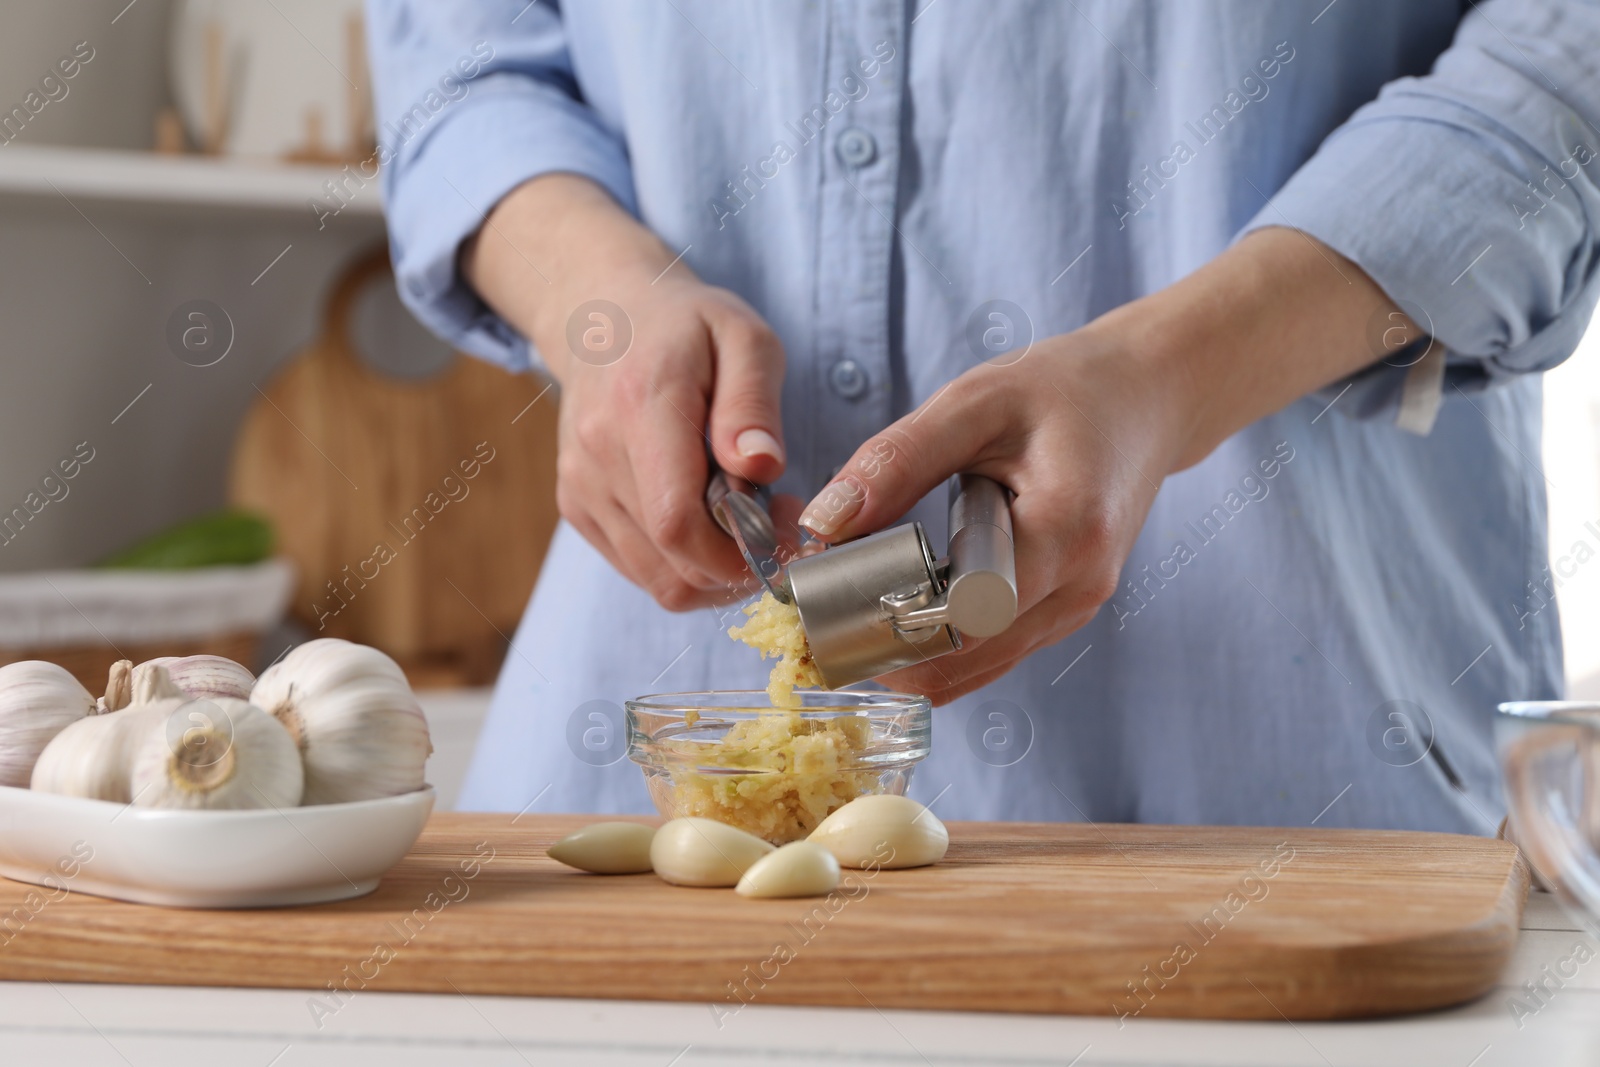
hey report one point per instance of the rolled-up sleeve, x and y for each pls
(1472, 195)
(473, 98)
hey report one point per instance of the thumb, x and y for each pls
(746, 424)
(892, 471)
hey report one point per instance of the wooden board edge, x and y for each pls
(1456, 978)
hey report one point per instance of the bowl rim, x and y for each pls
(181, 816)
(876, 701)
(1559, 711)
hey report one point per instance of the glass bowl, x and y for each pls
(1550, 754)
(776, 772)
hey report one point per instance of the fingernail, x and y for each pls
(836, 505)
(758, 443)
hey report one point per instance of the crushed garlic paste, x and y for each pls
(800, 770)
(800, 773)
(773, 629)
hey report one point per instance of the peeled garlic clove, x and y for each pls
(798, 869)
(883, 831)
(37, 701)
(360, 730)
(217, 754)
(203, 676)
(92, 757)
(606, 848)
(704, 852)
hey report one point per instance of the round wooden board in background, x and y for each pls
(417, 512)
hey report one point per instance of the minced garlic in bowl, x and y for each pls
(775, 773)
(801, 774)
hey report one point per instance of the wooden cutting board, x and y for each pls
(1020, 917)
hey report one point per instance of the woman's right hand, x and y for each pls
(653, 363)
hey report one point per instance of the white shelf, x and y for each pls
(198, 181)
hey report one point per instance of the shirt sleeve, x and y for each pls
(1471, 196)
(473, 98)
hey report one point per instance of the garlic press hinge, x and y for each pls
(913, 612)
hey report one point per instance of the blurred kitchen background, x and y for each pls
(196, 315)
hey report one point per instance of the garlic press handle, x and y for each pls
(981, 589)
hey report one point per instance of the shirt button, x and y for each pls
(856, 147)
(848, 379)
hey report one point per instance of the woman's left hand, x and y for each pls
(1077, 430)
(1083, 427)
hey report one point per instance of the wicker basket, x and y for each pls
(87, 620)
(90, 664)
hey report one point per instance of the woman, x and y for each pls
(1244, 302)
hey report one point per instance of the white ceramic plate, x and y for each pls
(206, 859)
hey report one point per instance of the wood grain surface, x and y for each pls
(1060, 918)
(416, 511)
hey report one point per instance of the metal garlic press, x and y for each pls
(884, 601)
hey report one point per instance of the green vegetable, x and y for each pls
(219, 539)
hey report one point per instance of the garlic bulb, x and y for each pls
(204, 676)
(704, 852)
(798, 869)
(360, 730)
(37, 701)
(218, 753)
(606, 848)
(883, 831)
(92, 757)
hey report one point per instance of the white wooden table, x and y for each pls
(136, 1026)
